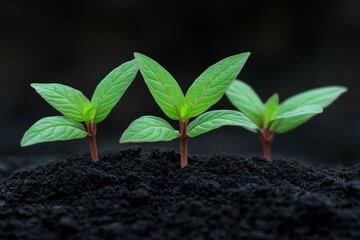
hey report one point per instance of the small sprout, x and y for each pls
(76, 109)
(207, 89)
(272, 118)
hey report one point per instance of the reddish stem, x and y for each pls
(91, 128)
(267, 150)
(267, 137)
(183, 144)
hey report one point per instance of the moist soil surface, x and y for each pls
(145, 195)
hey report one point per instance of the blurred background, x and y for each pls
(295, 46)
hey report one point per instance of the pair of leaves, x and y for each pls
(286, 116)
(206, 90)
(153, 129)
(77, 108)
(74, 105)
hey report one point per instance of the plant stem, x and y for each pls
(267, 150)
(183, 143)
(267, 137)
(91, 128)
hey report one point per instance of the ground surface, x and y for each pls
(134, 195)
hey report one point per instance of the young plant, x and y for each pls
(207, 89)
(272, 118)
(76, 109)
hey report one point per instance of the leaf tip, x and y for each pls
(340, 89)
(241, 58)
(343, 89)
(22, 143)
(138, 55)
(35, 85)
(245, 55)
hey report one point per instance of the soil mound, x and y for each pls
(134, 195)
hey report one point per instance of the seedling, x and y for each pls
(207, 89)
(76, 109)
(272, 118)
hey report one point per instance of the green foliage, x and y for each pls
(206, 90)
(53, 129)
(69, 101)
(163, 87)
(243, 97)
(303, 110)
(211, 85)
(288, 115)
(289, 120)
(322, 97)
(109, 91)
(218, 118)
(270, 109)
(76, 108)
(149, 129)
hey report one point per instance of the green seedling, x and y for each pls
(207, 89)
(272, 118)
(76, 109)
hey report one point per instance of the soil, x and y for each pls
(132, 194)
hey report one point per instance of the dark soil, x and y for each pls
(134, 195)
(9, 164)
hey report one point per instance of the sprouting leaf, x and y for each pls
(163, 87)
(292, 119)
(149, 129)
(66, 100)
(244, 98)
(90, 110)
(109, 91)
(270, 109)
(274, 118)
(211, 85)
(218, 118)
(303, 110)
(207, 89)
(53, 129)
(323, 97)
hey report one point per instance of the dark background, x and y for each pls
(295, 46)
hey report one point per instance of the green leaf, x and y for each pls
(270, 109)
(90, 112)
(51, 129)
(292, 119)
(211, 85)
(66, 100)
(218, 118)
(323, 97)
(149, 129)
(244, 98)
(163, 87)
(109, 91)
(303, 110)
